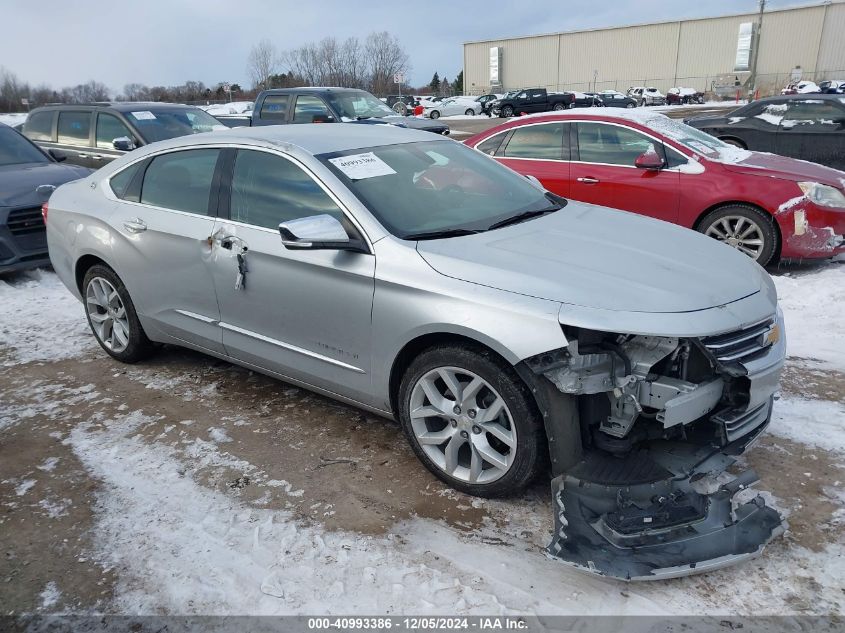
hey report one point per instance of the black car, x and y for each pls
(332, 105)
(532, 100)
(402, 104)
(28, 176)
(94, 134)
(587, 100)
(809, 127)
(613, 99)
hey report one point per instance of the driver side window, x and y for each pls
(611, 144)
(109, 127)
(268, 189)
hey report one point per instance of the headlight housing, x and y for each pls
(823, 195)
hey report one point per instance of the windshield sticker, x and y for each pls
(143, 115)
(360, 166)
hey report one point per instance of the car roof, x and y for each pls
(803, 97)
(313, 139)
(119, 106)
(273, 91)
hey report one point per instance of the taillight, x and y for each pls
(44, 210)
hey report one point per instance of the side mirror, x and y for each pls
(318, 232)
(650, 160)
(123, 144)
(535, 181)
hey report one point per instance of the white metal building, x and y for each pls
(806, 42)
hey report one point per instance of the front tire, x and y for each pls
(507, 111)
(744, 227)
(469, 112)
(112, 316)
(471, 420)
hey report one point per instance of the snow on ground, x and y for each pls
(40, 320)
(818, 423)
(13, 119)
(813, 303)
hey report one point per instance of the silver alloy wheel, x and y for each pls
(743, 233)
(463, 425)
(107, 314)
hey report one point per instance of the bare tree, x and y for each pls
(385, 57)
(262, 62)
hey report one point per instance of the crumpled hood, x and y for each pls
(19, 182)
(776, 166)
(596, 257)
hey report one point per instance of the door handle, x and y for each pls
(588, 180)
(96, 157)
(82, 155)
(135, 225)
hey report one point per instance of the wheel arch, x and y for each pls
(83, 264)
(743, 203)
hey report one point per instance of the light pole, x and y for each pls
(752, 79)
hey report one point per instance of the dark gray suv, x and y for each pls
(94, 134)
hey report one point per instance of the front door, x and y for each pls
(165, 214)
(305, 314)
(605, 174)
(540, 150)
(108, 129)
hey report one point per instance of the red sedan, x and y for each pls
(765, 205)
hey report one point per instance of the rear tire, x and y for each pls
(488, 440)
(112, 316)
(434, 114)
(631, 104)
(746, 228)
(558, 106)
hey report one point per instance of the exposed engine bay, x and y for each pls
(642, 430)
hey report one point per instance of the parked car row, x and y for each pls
(830, 86)
(763, 205)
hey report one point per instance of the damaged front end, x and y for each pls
(642, 431)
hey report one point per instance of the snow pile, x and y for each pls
(40, 320)
(183, 548)
(812, 303)
(818, 423)
(13, 119)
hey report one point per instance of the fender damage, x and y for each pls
(642, 433)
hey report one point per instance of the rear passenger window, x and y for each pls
(121, 181)
(542, 142)
(490, 145)
(74, 127)
(274, 107)
(268, 189)
(39, 126)
(180, 180)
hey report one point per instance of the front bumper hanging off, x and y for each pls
(666, 511)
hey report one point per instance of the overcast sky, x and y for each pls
(167, 42)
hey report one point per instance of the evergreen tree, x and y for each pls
(458, 84)
(435, 83)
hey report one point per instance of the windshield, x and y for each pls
(16, 150)
(424, 189)
(691, 137)
(159, 124)
(357, 104)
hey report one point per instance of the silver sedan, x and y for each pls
(510, 331)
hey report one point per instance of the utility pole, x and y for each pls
(752, 78)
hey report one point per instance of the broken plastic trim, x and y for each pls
(659, 513)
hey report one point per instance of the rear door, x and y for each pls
(540, 150)
(273, 110)
(814, 130)
(604, 172)
(165, 217)
(74, 135)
